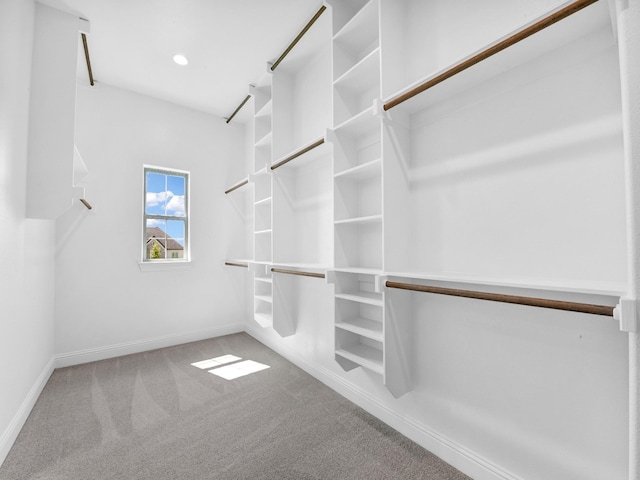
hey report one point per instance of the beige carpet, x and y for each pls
(154, 416)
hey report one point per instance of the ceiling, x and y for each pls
(228, 44)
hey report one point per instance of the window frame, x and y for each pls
(151, 216)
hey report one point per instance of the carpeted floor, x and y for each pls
(154, 416)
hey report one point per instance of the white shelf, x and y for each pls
(363, 326)
(260, 232)
(302, 266)
(264, 298)
(359, 271)
(360, 220)
(364, 355)
(361, 124)
(263, 201)
(265, 110)
(370, 298)
(362, 29)
(362, 75)
(264, 279)
(265, 140)
(264, 320)
(362, 172)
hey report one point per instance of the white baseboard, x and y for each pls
(17, 422)
(137, 346)
(454, 454)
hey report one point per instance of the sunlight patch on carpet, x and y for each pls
(216, 362)
(240, 369)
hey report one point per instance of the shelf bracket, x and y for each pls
(379, 283)
(378, 108)
(626, 313)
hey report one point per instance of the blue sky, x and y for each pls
(165, 196)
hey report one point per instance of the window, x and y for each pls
(166, 215)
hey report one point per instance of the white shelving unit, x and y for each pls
(262, 94)
(356, 64)
(359, 322)
(262, 226)
(358, 192)
(403, 193)
(357, 187)
(302, 201)
(263, 295)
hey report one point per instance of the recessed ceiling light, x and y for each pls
(180, 59)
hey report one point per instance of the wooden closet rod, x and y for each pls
(235, 187)
(296, 272)
(498, 297)
(233, 264)
(297, 39)
(246, 99)
(492, 50)
(86, 204)
(86, 57)
(302, 151)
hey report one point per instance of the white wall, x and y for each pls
(27, 274)
(107, 306)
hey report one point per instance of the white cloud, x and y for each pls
(154, 222)
(176, 204)
(154, 199)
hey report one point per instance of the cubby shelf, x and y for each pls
(364, 355)
(264, 280)
(362, 75)
(263, 201)
(264, 319)
(360, 124)
(361, 220)
(362, 326)
(360, 33)
(264, 298)
(264, 140)
(370, 298)
(266, 110)
(262, 232)
(356, 89)
(359, 270)
(361, 172)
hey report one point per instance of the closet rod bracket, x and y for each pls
(626, 313)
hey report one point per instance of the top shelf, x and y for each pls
(492, 60)
(361, 124)
(361, 28)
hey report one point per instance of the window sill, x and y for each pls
(164, 266)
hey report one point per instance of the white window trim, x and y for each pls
(159, 266)
(165, 265)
